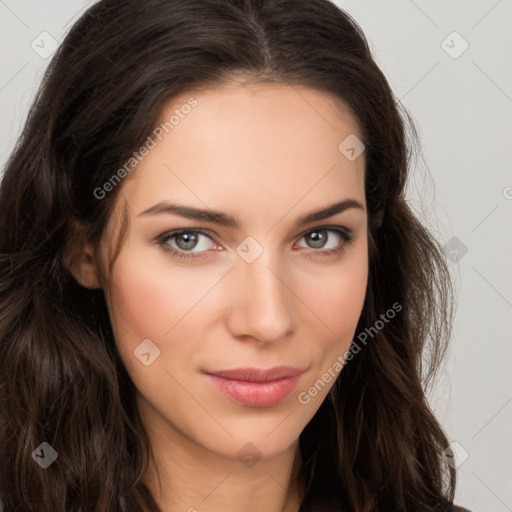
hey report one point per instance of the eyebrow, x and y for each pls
(223, 219)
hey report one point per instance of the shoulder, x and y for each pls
(460, 509)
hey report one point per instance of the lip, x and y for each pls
(256, 387)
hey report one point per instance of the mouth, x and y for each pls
(255, 387)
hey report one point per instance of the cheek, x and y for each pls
(336, 299)
(345, 302)
(139, 297)
(144, 305)
(149, 300)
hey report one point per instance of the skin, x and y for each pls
(266, 154)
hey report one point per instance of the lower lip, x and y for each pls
(256, 394)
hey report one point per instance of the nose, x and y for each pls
(262, 305)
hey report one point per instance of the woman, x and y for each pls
(213, 293)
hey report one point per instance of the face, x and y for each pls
(254, 281)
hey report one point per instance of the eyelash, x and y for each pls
(346, 236)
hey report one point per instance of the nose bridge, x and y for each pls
(263, 302)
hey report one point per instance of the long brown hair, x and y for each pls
(374, 444)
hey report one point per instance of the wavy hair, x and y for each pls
(374, 444)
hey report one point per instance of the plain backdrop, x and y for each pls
(450, 64)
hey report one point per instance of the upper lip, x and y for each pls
(258, 374)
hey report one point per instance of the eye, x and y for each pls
(335, 238)
(184, 241)
(192, 244)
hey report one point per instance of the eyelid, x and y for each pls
(327, 227)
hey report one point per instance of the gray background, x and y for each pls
(461, 102)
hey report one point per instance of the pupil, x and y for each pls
(318, 238)
(190, 240)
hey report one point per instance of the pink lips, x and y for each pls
(256, 387)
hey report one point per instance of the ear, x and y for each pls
(81, 260)
(378, 217)
(84, 268)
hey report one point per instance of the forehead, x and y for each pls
(249, 146)
(238, 104)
